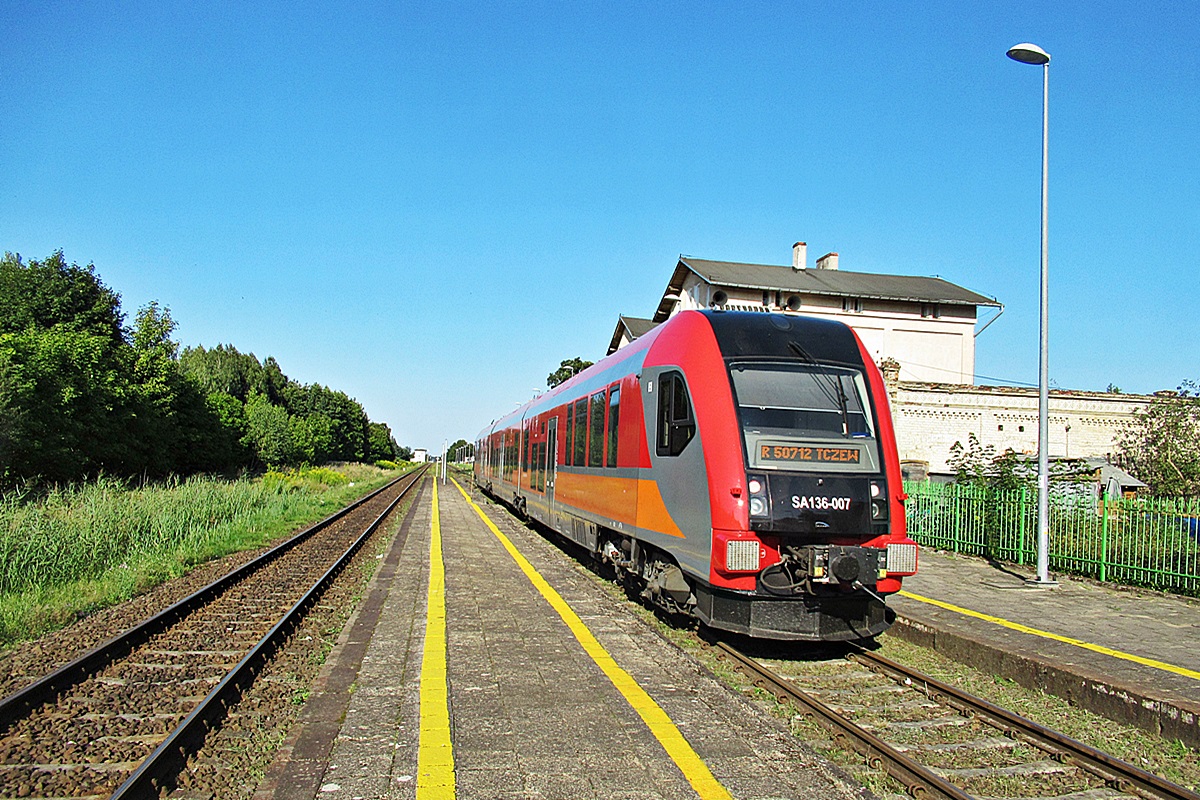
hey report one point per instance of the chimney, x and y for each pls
(827, 261)
(799, 255)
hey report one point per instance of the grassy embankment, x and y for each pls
(82, 548)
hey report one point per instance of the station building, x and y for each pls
(921, 332)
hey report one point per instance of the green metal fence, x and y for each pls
(1142, 542)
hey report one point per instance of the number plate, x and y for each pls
(828, 505)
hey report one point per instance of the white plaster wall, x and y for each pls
(929, 420)
(933, 350)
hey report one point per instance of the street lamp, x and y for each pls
(1028, 53)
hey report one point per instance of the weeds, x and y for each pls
(83, 547)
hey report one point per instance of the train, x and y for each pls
(737, 467)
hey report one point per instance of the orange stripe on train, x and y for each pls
(615, 498)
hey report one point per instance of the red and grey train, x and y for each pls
(739, 467)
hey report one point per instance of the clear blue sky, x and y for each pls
(430, 205)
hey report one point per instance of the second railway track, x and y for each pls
(124, 716)
(940, 742)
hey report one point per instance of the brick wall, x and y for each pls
(929, 418)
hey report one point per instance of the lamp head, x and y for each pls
(1028, 53)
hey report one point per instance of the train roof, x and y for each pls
(739, 335)
(751, 334)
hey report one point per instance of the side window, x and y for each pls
(581, 415)
(570, 429)
(526, 444)
(614, 413)
(596, 437)
(676, 427)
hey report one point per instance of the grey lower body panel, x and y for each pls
(802, 618)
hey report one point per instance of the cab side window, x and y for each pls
(676, 425)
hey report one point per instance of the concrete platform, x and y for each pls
(532, 715)
(1130, 655)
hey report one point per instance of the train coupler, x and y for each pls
(808, 568)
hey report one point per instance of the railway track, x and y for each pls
(123, 718)
(940, 742)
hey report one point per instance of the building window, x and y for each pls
(852, 305)
(931, 310)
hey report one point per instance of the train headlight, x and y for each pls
(879, 503)
(759, 507)
(742, 555)
(902, 558)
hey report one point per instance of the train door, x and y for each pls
(677, 465)
(551, 456)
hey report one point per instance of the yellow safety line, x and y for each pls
(692, 766)
(435, 754)
(1016, 626)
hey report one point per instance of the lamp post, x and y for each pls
(1028, 53)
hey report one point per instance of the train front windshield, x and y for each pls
(787, 409)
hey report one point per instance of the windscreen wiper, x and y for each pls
(824, 382)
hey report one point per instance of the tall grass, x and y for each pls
(81, 547)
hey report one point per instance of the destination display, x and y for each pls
(807, 454)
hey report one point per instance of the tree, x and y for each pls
(1162, 448)
(220, 438)
(46, 294)
(312, 438)
(224, 369)
(459, 450)
(349, 432)
(81, 393)
(382, 447)
(566, 370)
(979, 465)
(269, 431)
(67, 398)
(64, 386)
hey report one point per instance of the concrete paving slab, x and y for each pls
(531, 715)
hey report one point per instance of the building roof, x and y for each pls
(632, 327)
(832, 282)
(1105, 472)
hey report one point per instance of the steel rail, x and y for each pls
(921, 781)
(170, 757)
(1118, 774)
(47, 688)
